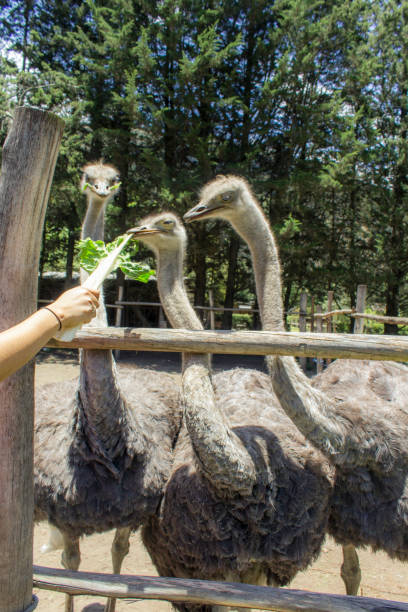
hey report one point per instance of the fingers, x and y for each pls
(77, 306)
(94, 293)
(93, 298)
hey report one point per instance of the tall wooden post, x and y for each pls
(29, 156)
(319, 329)
(360, 307)
(302, 324)
(211, 302)
(329, 326)
(329, 308)
(312, 311)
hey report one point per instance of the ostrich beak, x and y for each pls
(142, 230)
(201, 211)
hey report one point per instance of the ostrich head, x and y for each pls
(100, 181)
(226, 197)
(161, 232)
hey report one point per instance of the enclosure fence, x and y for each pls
(354, 346)
(28, 162)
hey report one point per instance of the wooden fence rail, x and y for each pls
(350, 346)
(380, 318)
(206, 592)
(303, 315)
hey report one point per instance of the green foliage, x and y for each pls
(92, 251)
(306, 99)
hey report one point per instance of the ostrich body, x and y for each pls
(247, 498)
(103, 445)
(355, 413)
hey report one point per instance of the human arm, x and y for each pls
(20, 343)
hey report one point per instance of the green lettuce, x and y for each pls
(92, 251)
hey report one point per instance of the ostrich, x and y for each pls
(247, 498)
(355, 413)
(103, 444)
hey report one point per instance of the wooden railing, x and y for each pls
(206, 592)
(350, 346)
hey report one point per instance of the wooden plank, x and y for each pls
(28, 161)
(214, 308)
(381, 318)
(333, 313)
(350, 346)
(206, 592)
(316, 315)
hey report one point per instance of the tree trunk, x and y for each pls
(230, 288)
(28, 162)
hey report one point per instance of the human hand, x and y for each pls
(75, 306)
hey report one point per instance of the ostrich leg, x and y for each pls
(350, 569)
(120, 548)
(70, 559)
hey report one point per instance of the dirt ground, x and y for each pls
(381, 576)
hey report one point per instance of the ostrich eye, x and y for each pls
(226, 196)
(168, 222)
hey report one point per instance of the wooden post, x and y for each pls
(29, 156)
(329, 327)
(319, 325)
(312, 311)
(302, 324)
(119, 312)
(329, 308)
(360, 307)
(211, 302)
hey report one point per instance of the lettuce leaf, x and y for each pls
(92, 251)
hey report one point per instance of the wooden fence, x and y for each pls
(206, 592)
(312, 319)
(350, 346)
(27, 168)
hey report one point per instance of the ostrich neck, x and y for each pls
(220, 453)
(93, 228)
(254, 230)
(93, 225)
(311, 411)
(172, 292)
(101, 404)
